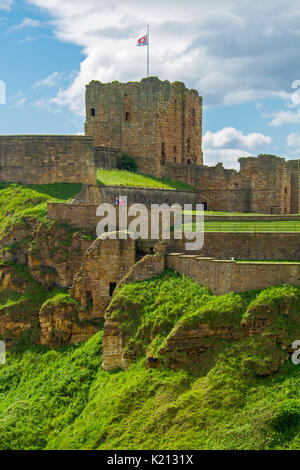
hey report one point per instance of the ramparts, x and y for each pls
(44, 159)
(224, 276)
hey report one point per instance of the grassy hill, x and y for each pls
(64, 400)
(21, 204)
(127, 178)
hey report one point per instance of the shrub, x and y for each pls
(128, 163)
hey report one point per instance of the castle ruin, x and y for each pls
(159, 124)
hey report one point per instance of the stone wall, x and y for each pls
(224, 245)
(294, 166)
(47, 159)
(265, 184)
(104, 264)
(246, 245)
(152, 119)
(107, 158)
(147, 196)
(223, 276)
(270, 181)
(83, 215)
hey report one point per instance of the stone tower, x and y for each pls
(157, 122)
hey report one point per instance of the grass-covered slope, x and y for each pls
(64, 400)
(127, 178)
(21, 204)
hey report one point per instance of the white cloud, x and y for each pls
(229, 144)
(27, 23)
(49, 82)
(278, 118)
(5, 4)
(48, 105)
(230, 50)
(293, 140)
(17, 100)
(284, 117)
(229, 157)
(231, 138)
(27, 39)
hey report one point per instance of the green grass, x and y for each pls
(266, 261)
(21, 205)
(64, 400)
(126, 178)
(227, 213)
(278, 226)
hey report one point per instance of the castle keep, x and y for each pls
(156, 122)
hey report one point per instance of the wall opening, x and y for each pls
(127, 116)
(188, 145)
(163, 153)
(188, 161)
(93, 112)
(89, 301)
(112, 287)
(285, 190)
(193, 117)
(204, 205)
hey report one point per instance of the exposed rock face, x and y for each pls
(15, 318)
(260, 334)
(113, 357)
(60, 325)
(53, 253)
(197, 346)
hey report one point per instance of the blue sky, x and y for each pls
(242, 57)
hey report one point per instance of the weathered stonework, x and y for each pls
(104, 264)
(157, 122)
(224, 276)
(37, 159)
(149, 266)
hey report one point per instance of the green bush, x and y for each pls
(128, 163)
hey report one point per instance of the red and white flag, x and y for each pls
(143, 41)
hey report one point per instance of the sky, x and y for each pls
(241, 56)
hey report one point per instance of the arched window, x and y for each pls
(93, 112)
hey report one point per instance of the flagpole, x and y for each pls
(148, 56)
